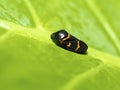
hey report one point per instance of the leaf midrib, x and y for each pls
(37, 34)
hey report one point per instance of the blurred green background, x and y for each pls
(30, 60)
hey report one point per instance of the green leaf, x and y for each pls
(30, 60)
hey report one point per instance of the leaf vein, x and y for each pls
(77, 80)
(34, 14)
(107, 27)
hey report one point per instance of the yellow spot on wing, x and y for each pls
(78, 45)
(69, 44)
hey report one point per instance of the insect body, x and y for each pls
(69, 42)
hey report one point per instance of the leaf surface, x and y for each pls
(30, 60)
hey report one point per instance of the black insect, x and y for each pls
(65, 40)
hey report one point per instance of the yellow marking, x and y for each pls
(69, 44)
(65, 38)
(78, 45)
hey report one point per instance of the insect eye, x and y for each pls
(61, 35)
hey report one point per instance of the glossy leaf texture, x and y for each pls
(30, 60)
